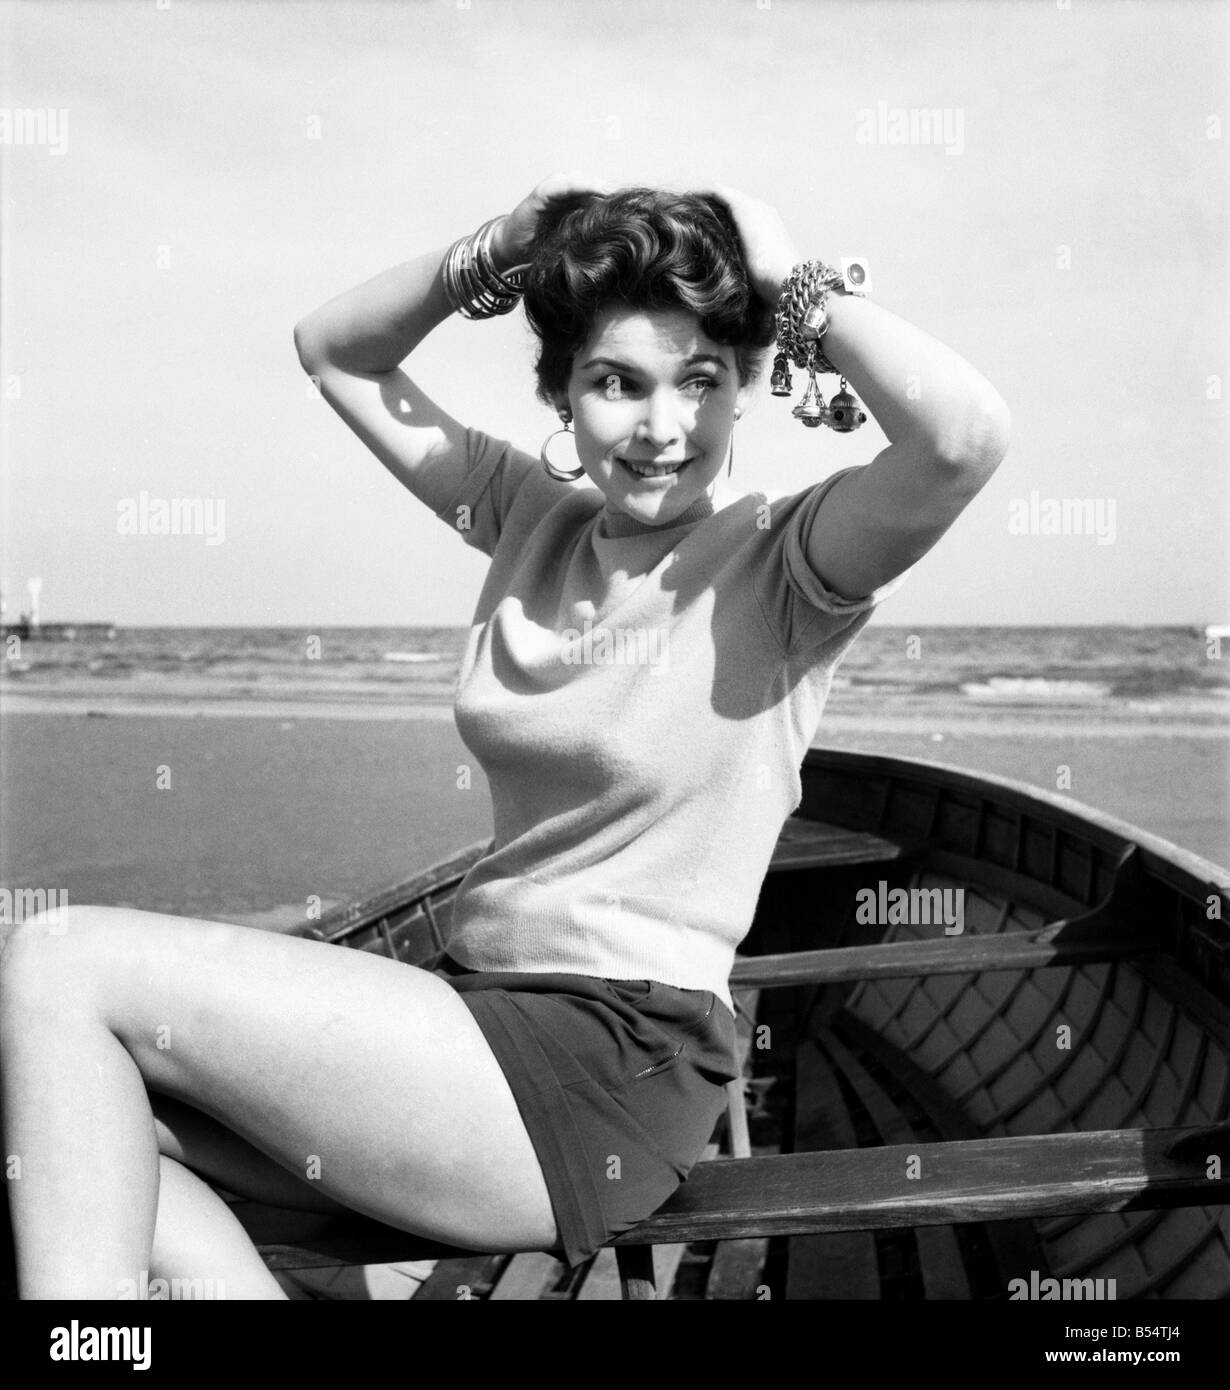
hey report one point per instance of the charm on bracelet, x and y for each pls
(811, 410)
(780, 383)
(845, 411)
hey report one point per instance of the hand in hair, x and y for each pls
(768, 249)
(515, 236)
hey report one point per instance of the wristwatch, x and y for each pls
(855, 275)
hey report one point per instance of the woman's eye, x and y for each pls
(615, 387)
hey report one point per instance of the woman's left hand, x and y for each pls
(767, 245)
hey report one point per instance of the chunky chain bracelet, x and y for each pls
(807, 287)
(802, 318)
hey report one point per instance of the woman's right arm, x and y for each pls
(354, 345)
(353, 348)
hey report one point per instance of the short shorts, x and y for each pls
(619, 1082)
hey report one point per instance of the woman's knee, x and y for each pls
(49, 921)
(42, 953)
(52, 951)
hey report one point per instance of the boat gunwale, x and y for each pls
(1069, 814)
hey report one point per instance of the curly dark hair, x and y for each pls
(646, 249)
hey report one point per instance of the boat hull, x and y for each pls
(1128, 1027)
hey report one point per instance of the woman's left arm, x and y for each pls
(947, 425)
(948, 431)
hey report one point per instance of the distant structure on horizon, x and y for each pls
(30, 627)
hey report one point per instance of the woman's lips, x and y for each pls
(657, 470)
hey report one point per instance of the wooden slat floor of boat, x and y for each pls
(470, 1277)
(526, 1277)
(939, 1255)
(848, 1266)
(1014, 1245)
(601, 1279)
(843, 1265)
(736, 1272)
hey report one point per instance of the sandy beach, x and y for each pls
(271, 803)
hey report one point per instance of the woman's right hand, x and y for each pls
(515, 235)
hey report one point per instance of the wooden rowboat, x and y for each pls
(935, 1108)
(1059, 1069)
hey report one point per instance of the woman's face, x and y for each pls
(653, 403)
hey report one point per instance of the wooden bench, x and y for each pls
(835, 1191)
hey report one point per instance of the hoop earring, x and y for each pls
(558, 473)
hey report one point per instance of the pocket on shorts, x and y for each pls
(665, 1004)
(707, 1026)
(669, 1021)
(686, 1009)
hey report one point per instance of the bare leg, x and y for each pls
(199, 1246)
(366, 1077)
(76, 1121)
(219, 1155)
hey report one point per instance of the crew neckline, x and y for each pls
(619, 524)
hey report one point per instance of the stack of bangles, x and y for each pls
(472, 284)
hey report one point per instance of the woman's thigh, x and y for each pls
(366, 1077)
(222, 1157)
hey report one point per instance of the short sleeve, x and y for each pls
(503, 487)
(803, 613)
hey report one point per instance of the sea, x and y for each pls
(1162, 672)
(311, 764)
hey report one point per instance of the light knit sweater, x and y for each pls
(640, 698)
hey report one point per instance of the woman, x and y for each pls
(647, 665)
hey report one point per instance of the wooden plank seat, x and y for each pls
(1058, 944)
(812, 844)
(1118, 927)
(841, 1190)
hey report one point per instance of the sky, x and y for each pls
(208, 173)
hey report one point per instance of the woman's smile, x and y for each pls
(652, 472)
